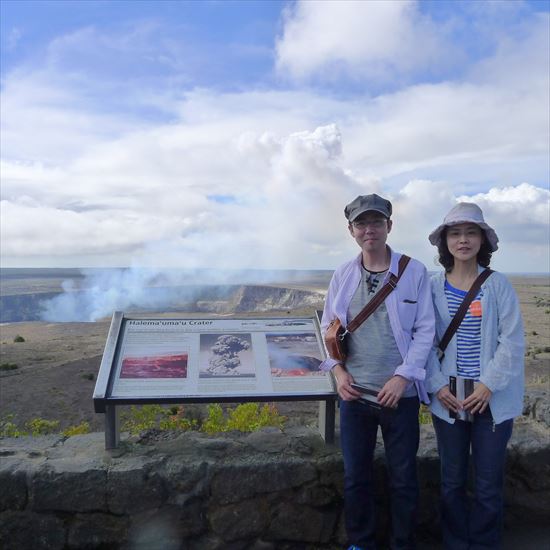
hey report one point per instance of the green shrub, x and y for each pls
(41, 426)
(424, 415)
(139, 419)
(247, 417)
(79, 429)
(540, 379)
(8, 428)
(215, 422)
(38, 426)
(8, 366)
(176, 420)
(19, 338)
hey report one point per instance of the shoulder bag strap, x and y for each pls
(461, 312)
(379, 297)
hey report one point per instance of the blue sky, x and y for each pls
(219, 134)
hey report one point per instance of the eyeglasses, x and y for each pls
(362, 224)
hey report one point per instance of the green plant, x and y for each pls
(249, 417)
(246, 417)
(41, 426)
(79, 429)
(88, 376)
(215, 421)
(8, 366)
(8, 428)
(138, 419)
(424, 415)
(176, 420)
(540, 380)
(19, 338)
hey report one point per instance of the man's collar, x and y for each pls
(394, 261)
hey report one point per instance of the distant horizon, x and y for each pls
(183, 270)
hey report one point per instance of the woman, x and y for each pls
(487, 349)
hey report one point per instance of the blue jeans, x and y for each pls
(358, 428)
(475, 524)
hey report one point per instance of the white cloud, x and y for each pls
(375, 39)
(259, 178)
(126, 207)
(519, 214)
(284, 209)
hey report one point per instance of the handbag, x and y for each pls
(461, 312)
(335, 335)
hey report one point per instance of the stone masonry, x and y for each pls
(262, 491)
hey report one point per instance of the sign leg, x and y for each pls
(112, 427)
(327, 413)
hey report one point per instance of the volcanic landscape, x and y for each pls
(53, 365)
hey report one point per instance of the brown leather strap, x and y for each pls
(379, 297)
(461, 311)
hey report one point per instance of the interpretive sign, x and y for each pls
(176, 360)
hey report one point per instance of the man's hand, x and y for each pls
(343, 383)
(478, 400)
(448, 400)
(392, 391)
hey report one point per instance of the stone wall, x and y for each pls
(261, 491)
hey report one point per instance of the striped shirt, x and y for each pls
(468, 335)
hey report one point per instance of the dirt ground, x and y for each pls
(58, 363)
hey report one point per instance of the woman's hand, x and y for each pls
(343, 383)
(392, 391)
(478, 400)
(448, 400)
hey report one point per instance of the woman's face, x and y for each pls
(464, 241)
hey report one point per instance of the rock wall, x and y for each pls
(262, 491)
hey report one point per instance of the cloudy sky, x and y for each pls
(232, 134)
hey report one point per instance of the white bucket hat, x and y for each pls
(465, 212)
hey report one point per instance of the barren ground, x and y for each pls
(58, 363)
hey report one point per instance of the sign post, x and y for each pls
(201, 360)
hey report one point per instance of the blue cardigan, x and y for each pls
(502, 348)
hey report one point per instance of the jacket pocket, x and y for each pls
(407, 314)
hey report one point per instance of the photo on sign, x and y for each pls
(294, 354)
(155, 366)
(226, 356)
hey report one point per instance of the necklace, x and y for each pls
(372, 278)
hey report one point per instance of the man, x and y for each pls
(387, 353)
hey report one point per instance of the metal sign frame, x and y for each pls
(114, 372)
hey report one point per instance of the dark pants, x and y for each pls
(358, 428)
(477, 524)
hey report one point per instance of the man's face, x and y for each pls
(370, 231)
